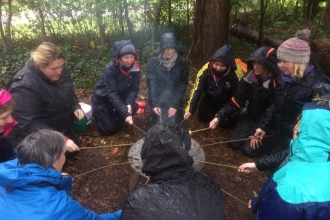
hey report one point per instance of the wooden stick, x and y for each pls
(139, 128)
(218, 164)
(203, 129)
(118, 145)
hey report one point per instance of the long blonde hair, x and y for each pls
(45, 54)
(299, 69)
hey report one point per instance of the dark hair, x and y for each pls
(43, 147)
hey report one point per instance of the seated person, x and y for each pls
(167, 80)
(44, 97)
(300, 189)
(6, 125)
(257, 88)
(214, 87)
(175, 191)
(114, 95)
(33, 187)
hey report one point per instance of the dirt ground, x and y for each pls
(106, 189)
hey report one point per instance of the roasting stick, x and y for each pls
(139, 128)
(203, 129)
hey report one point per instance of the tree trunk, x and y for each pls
(1, 27)
(169, 13)
(157, 14)
(128, 21)
(121, 20)
(99, 16)
(42, 18)
(263, 8)
(211, 27)
(8, 25)
(326, 14)
(188, 18)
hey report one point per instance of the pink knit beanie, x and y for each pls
(296, 49)
(4, 97)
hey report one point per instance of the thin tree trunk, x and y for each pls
(121, 19)
(188, 18)
(128, 21)
(170, 13)
(157, 14)
(263, 8)
(99, 16)
(8, 25)
(1, 27)
(326, 14)
(42, 18)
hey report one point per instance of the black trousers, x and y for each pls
(207, 110)
(106, 116)
(245, 128)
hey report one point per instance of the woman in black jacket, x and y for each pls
(167, 78)
(214, 87)
(44, 97)
(114, 94)
(258, 88)
(303, 80)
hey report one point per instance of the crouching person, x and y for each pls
(300, 189)
(175, 190)
(33, 187)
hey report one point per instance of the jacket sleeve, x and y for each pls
(67, 208)
(275, 110)
(273, 161)
(152, 83)
(133, 89)
(182, 87)
(109, 77)
(27, 108)
(76, 104)
(237, 101)
(197, 91)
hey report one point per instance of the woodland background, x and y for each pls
(85, 30)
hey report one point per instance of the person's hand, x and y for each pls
(79, 114)
(255, 143)
(157, 110)
(214, 123)
(186, 115)
(259, 133)
(129, 109)
(129, 120)
(71, 146)
(249, 204)
(247, 168)
(171, 112)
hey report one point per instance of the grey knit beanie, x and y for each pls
(127, 49)
(296, 49)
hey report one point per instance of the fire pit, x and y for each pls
(134, 156)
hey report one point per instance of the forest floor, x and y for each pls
(106, 189)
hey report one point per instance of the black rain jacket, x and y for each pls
(258, 95)
(297, 93)
(117, 88)
(167, 88)
(176, 191)
(219, 92)
(40, 103)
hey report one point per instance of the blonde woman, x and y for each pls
(44, 97)
(303, 79)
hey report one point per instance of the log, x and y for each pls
(320, 48)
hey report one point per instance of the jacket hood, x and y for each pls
(312, 144)
(13, 175)
(168, 40)
(266, 56)
(225, 55)
(118, 45)
(165, 152)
